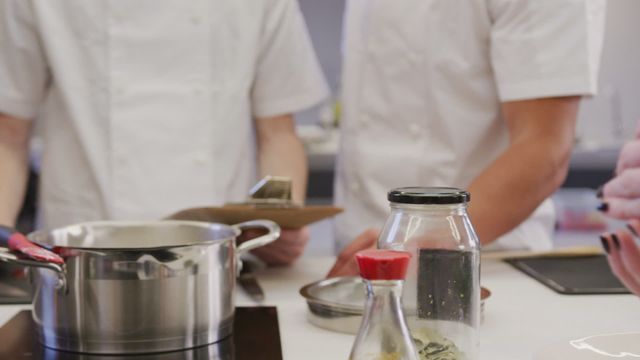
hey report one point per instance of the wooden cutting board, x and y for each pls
(286, 217)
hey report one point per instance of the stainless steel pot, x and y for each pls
(137, 287)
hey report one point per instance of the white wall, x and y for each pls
(324, 19)
(610, 118)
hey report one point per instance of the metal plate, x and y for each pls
(337, 304)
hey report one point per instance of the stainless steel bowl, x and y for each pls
(337, 304)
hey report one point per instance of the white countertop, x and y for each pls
(520, 317)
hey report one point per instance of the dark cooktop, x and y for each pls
(256, 337)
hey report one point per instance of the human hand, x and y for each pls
(286, 249)
(346, 263)
(624, 255)
(621, 195)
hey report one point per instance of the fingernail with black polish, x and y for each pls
(633, 230)
(616, 241)
(605, 243)
(599, 192)
(604, 207)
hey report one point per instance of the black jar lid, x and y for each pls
(428, 195)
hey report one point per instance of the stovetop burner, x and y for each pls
(256, 336)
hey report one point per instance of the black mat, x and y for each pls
(256, 336)
(571, 275)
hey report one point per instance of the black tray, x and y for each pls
(571, 275)
(256, 336)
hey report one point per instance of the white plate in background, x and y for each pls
(597, 347)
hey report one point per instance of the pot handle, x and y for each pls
(271, 236)
(17, 242)
(12, 242)
(10, 258)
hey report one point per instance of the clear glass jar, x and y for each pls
(442, 286)
(383, 333)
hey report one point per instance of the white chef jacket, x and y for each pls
(147, 105)
(423, 85)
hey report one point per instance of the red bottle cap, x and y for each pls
(383, 264)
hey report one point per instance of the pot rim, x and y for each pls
(99, 235)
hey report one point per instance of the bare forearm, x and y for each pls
(508, 192)
(284, 155)
(281, 153)
(533, 166)
(14, 159)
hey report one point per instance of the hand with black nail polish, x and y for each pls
(620, 196)
(623, 254)
(603, 207)
(620, 199)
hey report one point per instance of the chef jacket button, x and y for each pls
(120, 158)
(414, 59)
(116, 18)
(101, 86)
(200, 159)
(195, 20)
(198, 91)
(415, 129)
(355, 186)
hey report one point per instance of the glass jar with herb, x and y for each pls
(442, 287)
